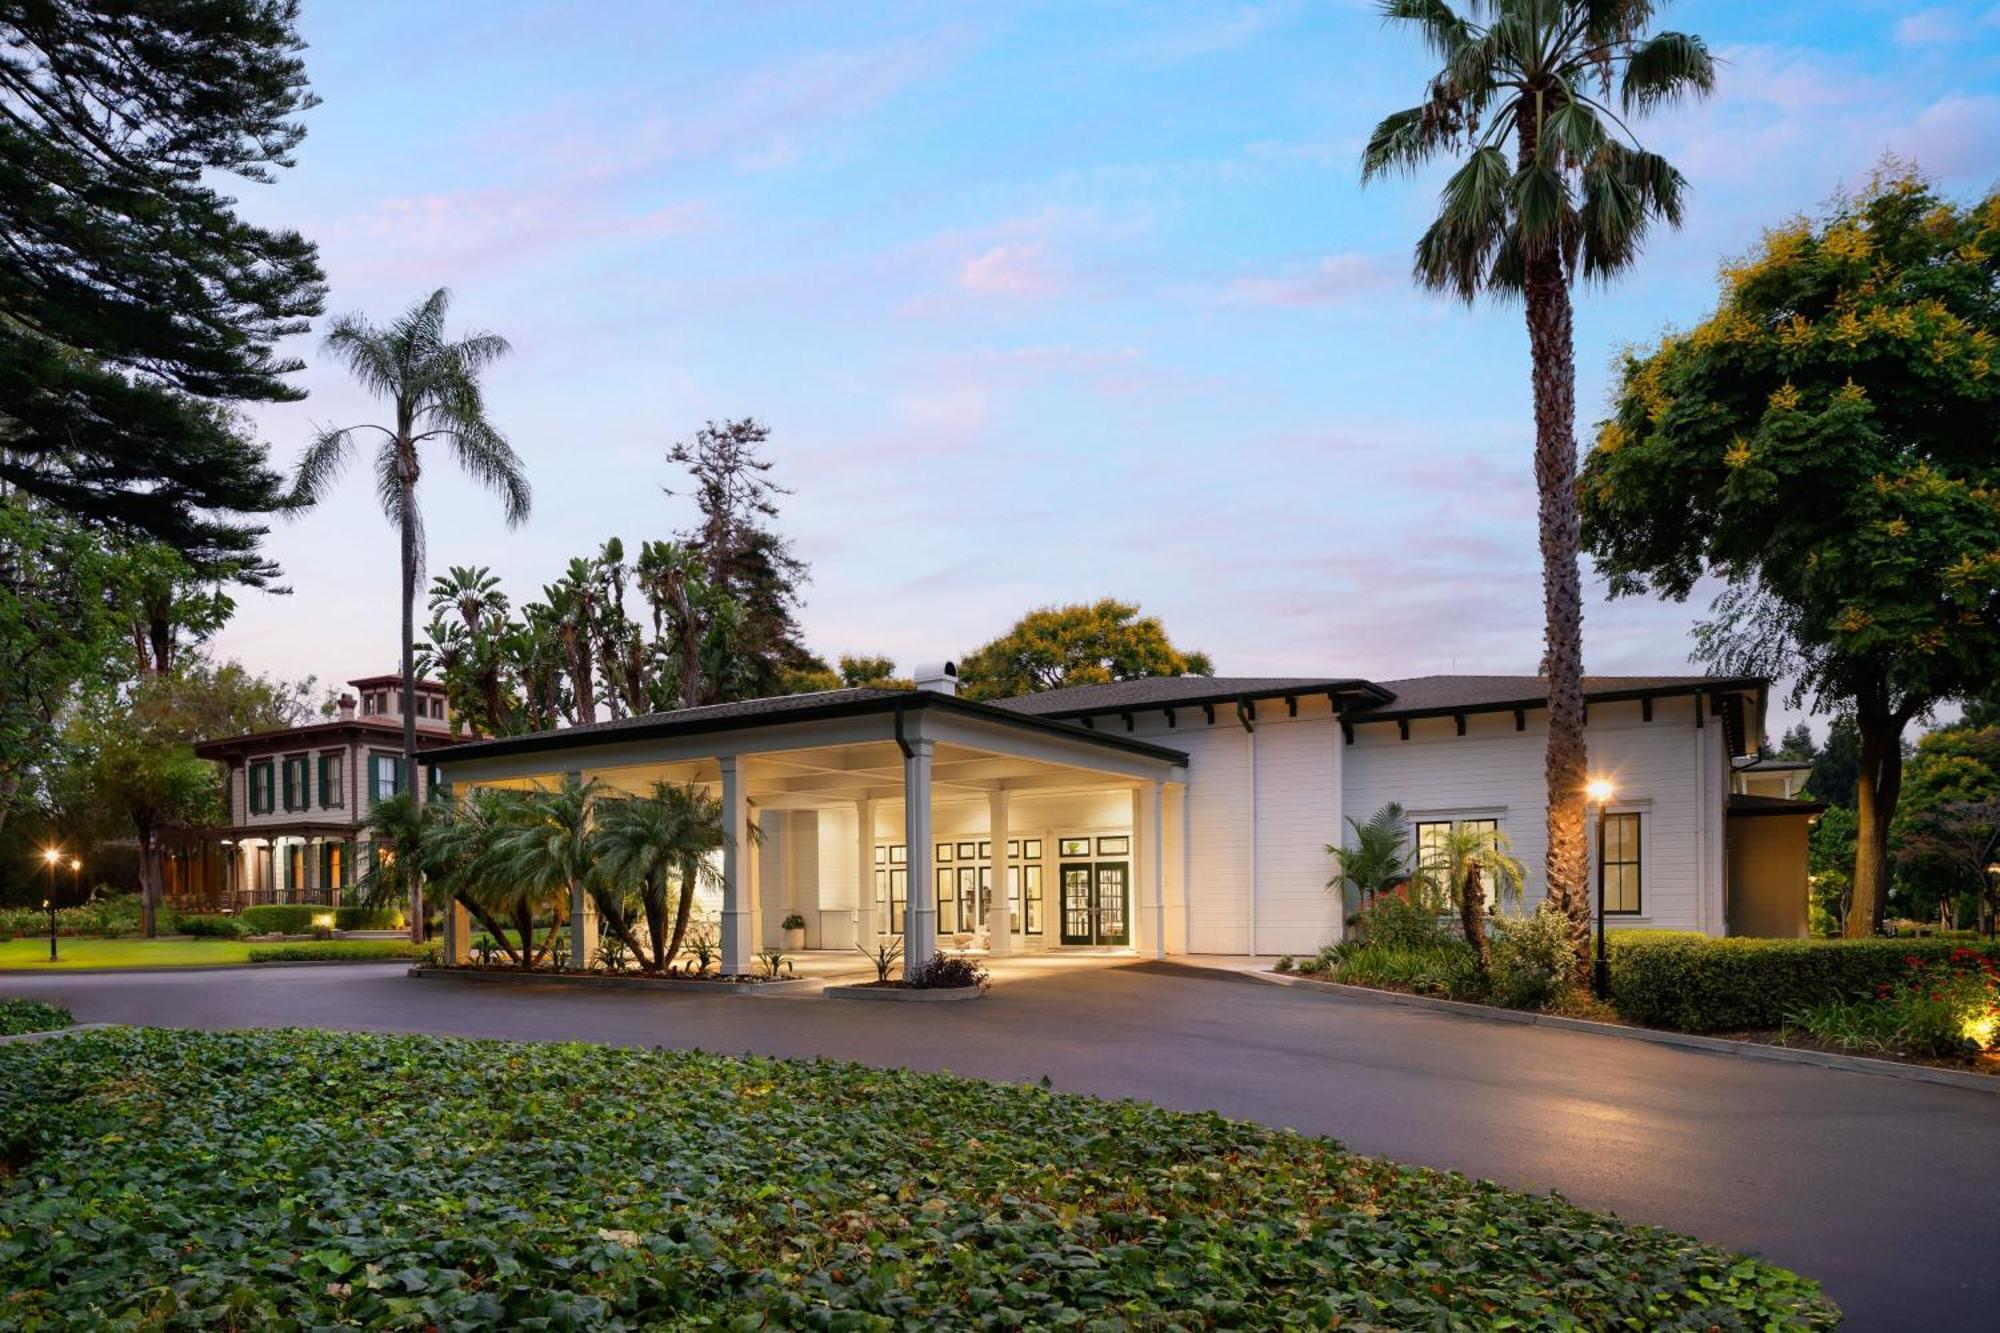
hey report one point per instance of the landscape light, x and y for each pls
(324, 920)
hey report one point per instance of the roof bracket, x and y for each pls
(1128, 720)
(1459, 719)
(1520, 719)
(1347, 732)
(1246, 713)
(1403, 727)
(1172, 721)
(1698, 722)
(1646, 709)
(1291, 705)
(1208, 711)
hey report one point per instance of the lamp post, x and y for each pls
(1600, 790)
(51, 858)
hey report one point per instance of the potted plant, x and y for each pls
(794, 927)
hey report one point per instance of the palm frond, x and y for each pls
(1664, 69)
(1404, 141)
(1443, 29)
(320, 465)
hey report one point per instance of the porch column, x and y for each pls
(999, 931)
(865, 924)
(738, 924)
(582, 918)
(457, 934)
(1147, 836)
(920, 913)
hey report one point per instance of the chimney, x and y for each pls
(939, 678)
(346, 708)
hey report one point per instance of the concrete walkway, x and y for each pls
(1886, 1191)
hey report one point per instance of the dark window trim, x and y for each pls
(1637, 862)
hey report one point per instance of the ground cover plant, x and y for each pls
(420, 1182)
(18, 1016)
(1936, 1010)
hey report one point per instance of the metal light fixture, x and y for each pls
(51, 857)
(1601, 791)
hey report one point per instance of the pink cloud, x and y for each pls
(1334, 280)
(1012, 268)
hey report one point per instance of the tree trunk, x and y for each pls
(1472, 915)
(656, 920)
(681, 912)
(411, 783)
(149, 882)
(1877, 788)
(1565, 762)
(490, 925)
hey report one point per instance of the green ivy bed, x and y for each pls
(291, 1179)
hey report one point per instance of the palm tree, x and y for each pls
(1378, 861)
(433, 387)
(1470, 857)
(540, 854)
(1576, 194)
(648, 840)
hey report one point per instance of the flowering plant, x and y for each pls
(1937, 1008)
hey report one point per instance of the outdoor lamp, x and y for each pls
(52, 857)
(1601, 791)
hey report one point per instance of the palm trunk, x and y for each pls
(410, 779)
(681, 912)
(1877, 788)
(491, 925)
(1565, 763)
(1472, 915)
(656, 919)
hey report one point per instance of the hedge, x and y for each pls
(297, 918)
(323, 951)
(1692, 983)
(162, 1179)
(208, 927)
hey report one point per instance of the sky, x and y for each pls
(1041, 303)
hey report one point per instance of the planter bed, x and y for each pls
(896, 990)
(635, 981)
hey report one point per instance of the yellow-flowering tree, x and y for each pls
(1828, 443)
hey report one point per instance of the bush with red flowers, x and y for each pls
(1938, 1008)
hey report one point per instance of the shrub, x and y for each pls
(793, 922)
(1446, 968)
(1532, 958)
(882, 957)
(1398, 923)
(106, 916)
(210, 927)
(943, 971)
(321, 951)
(18, 1016)
(759, 1202)
(1284, 964)
(297, 918)
(1938, 1009)
(1674, 979)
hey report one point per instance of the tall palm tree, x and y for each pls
(1551, 183)
(432, 385)
(1469, 859)
(649, 841)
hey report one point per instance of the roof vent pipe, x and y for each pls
(939, 678)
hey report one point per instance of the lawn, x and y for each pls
(298, 1178)
(33, 954)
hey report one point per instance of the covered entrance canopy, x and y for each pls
(897, 812)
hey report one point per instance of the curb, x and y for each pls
(69, 1031)
(1749, 1050)
(6, 972)
(734, 989)
(896, 994)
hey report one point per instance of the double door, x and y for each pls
(1096, 906)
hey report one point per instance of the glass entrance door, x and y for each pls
(1094, 903)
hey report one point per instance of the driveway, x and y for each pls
(1886, 1191)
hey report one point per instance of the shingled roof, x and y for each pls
(1182, 692)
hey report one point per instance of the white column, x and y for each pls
(920, 914)
(582, 920)
(738, 924)
(865, 924)
(1151, 838)
(999, 932)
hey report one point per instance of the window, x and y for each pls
(1031, 899)
(332, 782)
(262, 779)
(437, 707)
(947, 909)
(385, 776)
(899, 889)
(332, 865)
(1620, 855)
(968, 851)
(1114, 846)
(942, 851)
(1073, 846)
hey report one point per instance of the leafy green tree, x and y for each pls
(1830, 869)
(1828, 442)
(1836, 768)
(1082, 644)
(1375, 860)
(1797, 745)
(1549, 185)
(660, 847)
(432, 386)
(870, 672)
(1949, 810)
(136, 305)
(61, 630)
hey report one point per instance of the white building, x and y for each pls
(1167, 815)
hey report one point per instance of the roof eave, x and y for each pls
(1720, 684)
